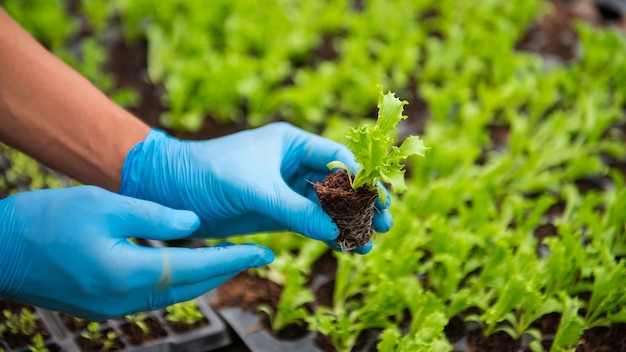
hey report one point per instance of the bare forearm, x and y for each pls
(52, 113)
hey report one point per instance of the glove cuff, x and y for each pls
(140, 163)
(130, 171)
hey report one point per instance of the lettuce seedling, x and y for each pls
(187, 313)
(375, 149)
(292, 305)
(349, 199)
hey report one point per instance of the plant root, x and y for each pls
(352, 210)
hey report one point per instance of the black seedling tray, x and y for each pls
(208, 337)
(247, 325)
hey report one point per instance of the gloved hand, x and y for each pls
(252, 181)
(68, 250)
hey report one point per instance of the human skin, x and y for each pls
(52, 113)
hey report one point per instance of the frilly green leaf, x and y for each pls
(389, 111)
(374, 147)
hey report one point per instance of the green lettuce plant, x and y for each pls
(37, 344)
(292, 307)
(106, 341)
(23, 322)
(184, 313)
(139, 320)
(375, 150)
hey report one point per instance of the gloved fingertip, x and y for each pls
(266, 257)
(324, 230)
(187, 220)
(366, 248)
(224, 244)
(382, 221)
(333, 233)
(263, 255)
(329, 234)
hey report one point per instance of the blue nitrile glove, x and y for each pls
(68, 250)
(252, 181)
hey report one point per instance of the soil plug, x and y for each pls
(352, 210)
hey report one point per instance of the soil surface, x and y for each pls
(19, 340)
(128, 64)
(98, 345)
(499, 341)
(72, 323)
(137, 336)
(249, 292)
(352, 210)
(181, 327)
(611, 338)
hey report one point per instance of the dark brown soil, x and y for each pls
(498, 341)
(136, 336)
(541, 233)
(53, 348)
(181, 327)
(128, 63)
(455, 330)
(290, 332)
(248, 292)
(499, 135)
(324, 294)
(607, 339)
(352, 210)
(73, 324)
(548, 324)
(326, 265)
(618, 165)
(592, 183)
(545, 230)
(321, 279)
(554, 35)
(10, 305)
(87, 345)
(19, 340)
(555, 211)
(324, 343)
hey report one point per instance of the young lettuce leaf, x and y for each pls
(375, 149)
